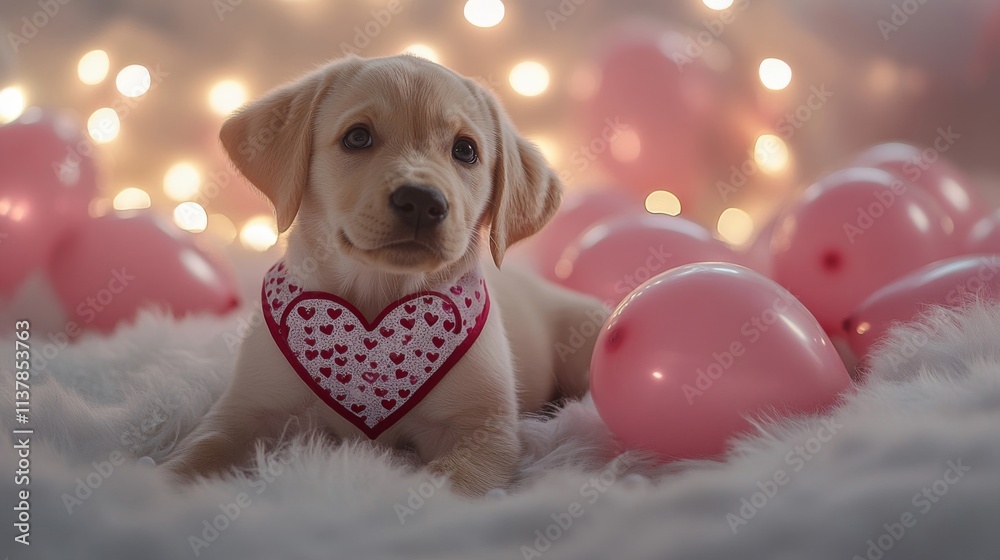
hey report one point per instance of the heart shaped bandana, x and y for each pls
(373, 373)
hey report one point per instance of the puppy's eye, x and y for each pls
(358, 138)
(464, 151)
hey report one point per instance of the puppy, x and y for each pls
(380, 320)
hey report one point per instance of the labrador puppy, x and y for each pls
(382, 320)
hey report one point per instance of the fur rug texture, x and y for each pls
(908, 467)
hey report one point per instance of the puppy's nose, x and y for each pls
(417, 205)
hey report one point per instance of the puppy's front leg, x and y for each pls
(484, 452)
(264, 392)
(221, 440)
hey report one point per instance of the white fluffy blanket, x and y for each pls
(908, 468)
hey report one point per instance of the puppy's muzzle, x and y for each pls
(418, 206)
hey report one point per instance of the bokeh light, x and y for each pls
(663, 202)
(770, 153)
(191, 216)
(131, 198)
(423, 51)
(104, 125)
(181, 181)
(259, 233)
(93, 67)
(227, 96)
(529, 78)
(775, 73)
(717, 5)
(626, 147)
(735, 226)
(133, 80)
(584, 82)
(484, 13)
(12, 103)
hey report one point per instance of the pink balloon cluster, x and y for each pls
(860, 229)
(692, 353)
(45, 186)
(103, 270)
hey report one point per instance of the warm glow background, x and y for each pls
(152, 81)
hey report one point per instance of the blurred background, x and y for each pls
(721, 111)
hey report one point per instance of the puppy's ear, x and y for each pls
(526, 191)
(270, 140)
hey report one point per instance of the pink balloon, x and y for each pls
(949, 283)
(115, 265)
(576, 214)
(852, 233)
(927, 169)
(690, 354)
(45, 187)
(648, 118)
(985, 235)
(613, 257)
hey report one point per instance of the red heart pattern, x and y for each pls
(402, 354)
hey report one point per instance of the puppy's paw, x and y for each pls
(473, 478)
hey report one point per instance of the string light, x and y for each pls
(259, 233)
(771, 153)
(775, 73)
(93, 67)
(423, 51)
(227, 96)
(104, 125)
(133, 80)
(529, 78)
(11, 104)
(735, 226)
(717, 5)
(131, 199)
(663, 202)
(484, 13)
(191, 216)
(181, 181)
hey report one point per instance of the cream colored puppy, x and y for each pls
(380, 322)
